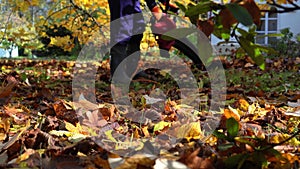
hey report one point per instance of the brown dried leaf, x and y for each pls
(193, 161)
(64, 112)
(107, 111)
(17, 114)
(94, 119)
(6, 90)
(100, 162)
(46, 93)
(85, 104)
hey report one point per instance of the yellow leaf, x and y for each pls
(25, 155)
(74, 129)
(161, 126)
(279, 137)
(189, 131)
(53, 41)
(60, 133)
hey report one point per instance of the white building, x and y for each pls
(6, 53)
(271, 23)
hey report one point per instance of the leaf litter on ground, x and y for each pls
(40, 126)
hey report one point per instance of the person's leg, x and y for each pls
(133, 54)
(123, 26)
(117, 55)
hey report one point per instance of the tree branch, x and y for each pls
(283, 9)
(89, 15)
(56, 12)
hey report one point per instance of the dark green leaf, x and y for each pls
(232, 127)
(225, 147)
(259, 158)
(253, 51)
(219, 135)
(240, 13)
(235, 160)
(247, 34)
(266, 49)
(274, 152)
(244, 140)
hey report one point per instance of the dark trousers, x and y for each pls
(129, 54)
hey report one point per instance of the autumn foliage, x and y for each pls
(42, 127)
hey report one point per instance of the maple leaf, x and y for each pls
(93, 119)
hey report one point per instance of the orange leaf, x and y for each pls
(228, 113)
(136, 133)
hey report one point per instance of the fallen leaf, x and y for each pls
(190, 131)
(107, 111)
(161, 126)
(6, 90)
(94, 120)
(243, 105)
(162, 163)
(145, 131)
(64, 112)
(137, 161)
(4, 128)
(193, 161)
(231, 112)
(18, 115)
(295, 113)
(25, 155)
(74, 129)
